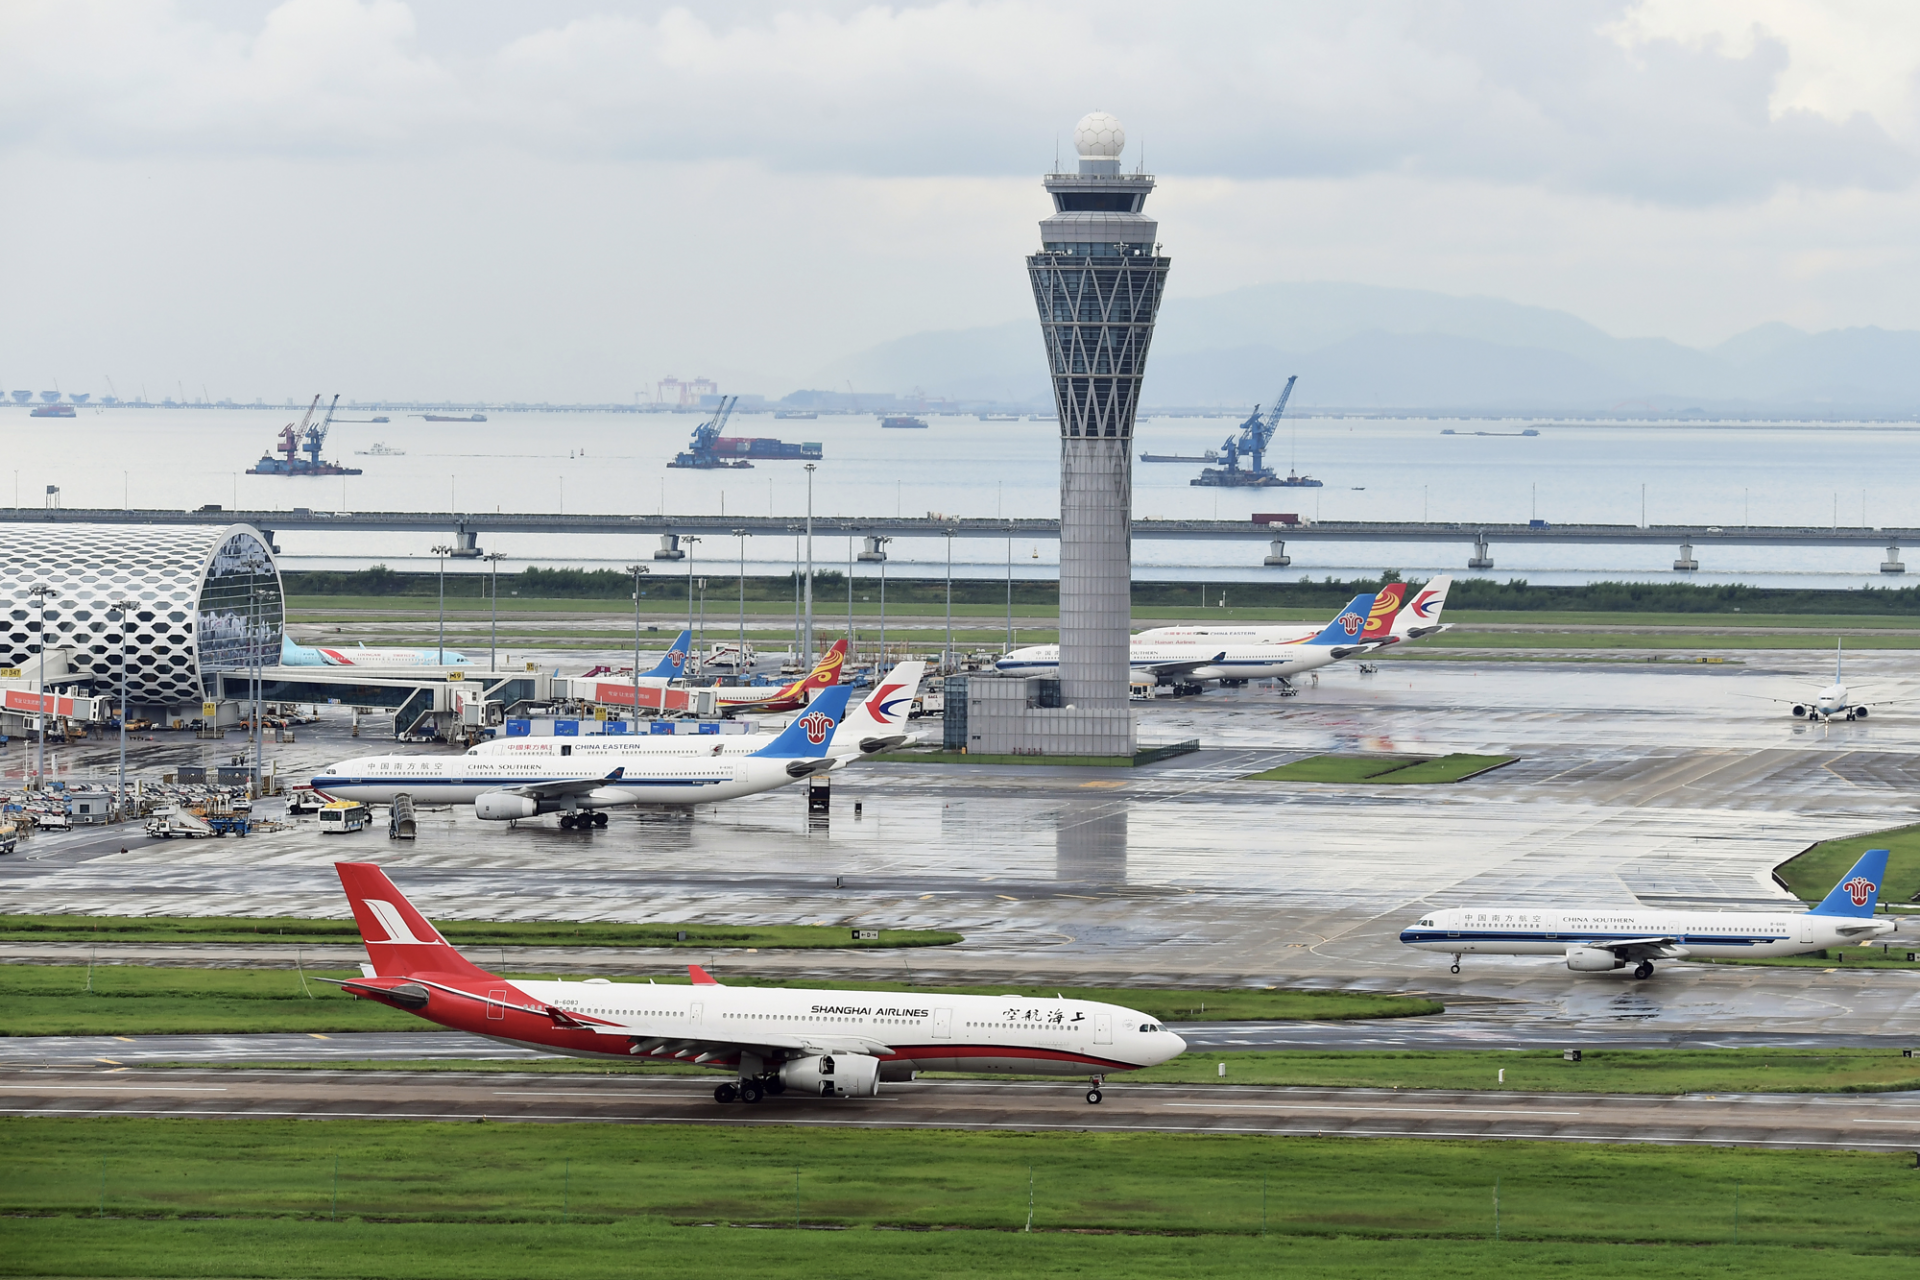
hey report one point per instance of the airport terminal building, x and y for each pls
(202, 600)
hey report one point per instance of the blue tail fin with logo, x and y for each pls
(1859, 889)
(674, 664)
(1348, 623)
(813, 728)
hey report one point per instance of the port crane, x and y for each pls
(308, 436)
(1255, 437)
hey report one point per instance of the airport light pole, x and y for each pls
(850, 645)
(947, 666)
(1009, 586)
(124, 607)
(699, 639)
(259, 674)
(40, 593)
(636, 570)
(881, 544)
(740, 657)
(808, 588)
(493, 558)
(794, 529)
(443, 552)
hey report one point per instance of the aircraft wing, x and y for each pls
(677, 1043)
(560, 789)
(1183, 667)
(1640, 948)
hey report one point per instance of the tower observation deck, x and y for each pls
(1097, 282)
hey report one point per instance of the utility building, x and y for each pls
(1097, 282)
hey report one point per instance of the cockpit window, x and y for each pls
(1151, 1026)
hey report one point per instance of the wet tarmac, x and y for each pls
(1660, 783)
(1884, 1122)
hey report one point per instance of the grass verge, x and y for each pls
(1378, 767)
(353, 1198)
(132, 1000)
(1810, 874)
(300, 931)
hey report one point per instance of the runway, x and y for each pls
(1881, 1122)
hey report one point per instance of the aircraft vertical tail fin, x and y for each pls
(1421, 614)
(812, 730)
(1859, 889)
(399, 940)
(1348, 623)
(886, 708)
(673, 664)
(1383, 617)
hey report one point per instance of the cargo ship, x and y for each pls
(381, 450)
(454, 417)
(903, 422)
(709, 450)
(52, 411)
(794, 415)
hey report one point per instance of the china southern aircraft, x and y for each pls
(826, 1044)
(877, 724)
(1602, 939)
(1176, 662)
(504, 789)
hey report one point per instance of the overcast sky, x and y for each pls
(571, 200)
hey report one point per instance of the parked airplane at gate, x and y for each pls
(788, 697)
(829, 1044)
(877, 724)
(1601, 939)
(1172, 662)
(1834, 701)
(301, 655)
(505, 789)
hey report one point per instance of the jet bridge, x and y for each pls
(427, 701)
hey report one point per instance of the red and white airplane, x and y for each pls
(829, 1044)
(788, 697)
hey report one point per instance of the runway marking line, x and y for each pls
(1337, 1107)
(115, 1088)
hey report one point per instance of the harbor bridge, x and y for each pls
(464, 530)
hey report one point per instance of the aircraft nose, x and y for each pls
(1179, 1044)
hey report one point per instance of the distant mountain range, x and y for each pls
(1357, 347)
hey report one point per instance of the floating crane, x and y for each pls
(710, 450)
(308, 436)
(1254, 438)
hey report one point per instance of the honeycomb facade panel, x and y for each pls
(209, 600)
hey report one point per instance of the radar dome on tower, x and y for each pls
(1099, 136)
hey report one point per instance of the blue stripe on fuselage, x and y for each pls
(1581, 939)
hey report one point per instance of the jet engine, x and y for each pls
(834, 1075)
(1858, 713)
(504, 806)
(1799, 710)
(1592, 960)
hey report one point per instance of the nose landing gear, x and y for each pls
(1093, 1094)
(1456, 962)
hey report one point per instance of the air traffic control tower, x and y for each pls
(1097, 281)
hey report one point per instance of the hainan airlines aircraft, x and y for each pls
(505, 789)
(787, 697)
(1175, 662)
(877, 724)
(827, 1044)
(1601, 939)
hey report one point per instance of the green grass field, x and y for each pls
(462, 933)
(135, 1000)
(1809, 875)
(1379, 767)
(126, 1197)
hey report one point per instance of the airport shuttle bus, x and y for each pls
(831, 1044)
(1599, 940)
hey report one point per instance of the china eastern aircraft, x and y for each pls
(504, 789)
(769, 1040)
(1601, 939)
(877, 724)
(1175, 662)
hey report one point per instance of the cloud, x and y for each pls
(1663, 101)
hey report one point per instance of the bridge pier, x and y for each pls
(1892, 563)
(875, 550)
(466, 544)
(670, 548)
(1481, 558)
(1277, 557)
(1686, 563)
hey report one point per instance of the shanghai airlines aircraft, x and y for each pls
(1602, 939)
(1173, 662)
(828, 1044)
(877, 724)
(504, 789)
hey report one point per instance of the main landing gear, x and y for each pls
(582, 821)
(1093, 1094)
(1644, 969)
(751, 1089)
